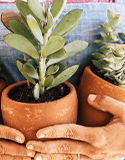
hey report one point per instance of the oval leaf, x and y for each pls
(36, 9)
(54, 44)
(22, 44)
(64, 76)
(36, 92)
(22, 71)
(50, 21)
(19, 28)
(122, 36)
(67, 22)
(49, 80)
(56, 57)
(31, 71)
(35, 29)
(52, 70)
(57, 8)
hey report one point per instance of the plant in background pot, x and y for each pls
(45, 98)
(106, 76)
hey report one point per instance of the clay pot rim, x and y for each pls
(89, 70)
(7, 90)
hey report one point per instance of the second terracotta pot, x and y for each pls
(92, 84)
(29, 118)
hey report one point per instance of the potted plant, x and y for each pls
(45, 98)
(106, 76)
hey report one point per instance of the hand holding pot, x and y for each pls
(99, 143)
(10, 150)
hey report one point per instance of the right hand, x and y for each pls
(10, 150)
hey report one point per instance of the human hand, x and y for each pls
(92, 143)
(10, 150)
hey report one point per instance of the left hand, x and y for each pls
(92, 143)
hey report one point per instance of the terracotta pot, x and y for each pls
(29, 118)
(92, 84)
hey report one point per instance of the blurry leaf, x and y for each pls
(100, 64)
(32, 62)
(22, 44)
(36, 9)
(36, 91)
(46, 7)
(67, 22)
(105, 50)
(75, 47)
(31, 71)
(122, 36)
(19, 28)
(97, 56)
(106, 28)
(57, 8)
(54, 44)
(114, 21)
(70, 30)
(22, 71)
(33, 25)
(56, 57)
(64, 76)
(50, 21)
(49, 80)
(110, 14)
(52, 70)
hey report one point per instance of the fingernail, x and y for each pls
(41, 136)
(92, 97)
(30, 153)
(30, 147)
(39, 158)
(18, 139)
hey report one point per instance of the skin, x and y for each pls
(13, 150)
(92, 143)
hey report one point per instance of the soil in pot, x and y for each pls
(24, 94)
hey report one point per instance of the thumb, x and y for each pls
(107, 104)
(11, 134)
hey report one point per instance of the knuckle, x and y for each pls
(70, 133)
(63, 148)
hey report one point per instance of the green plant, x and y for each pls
(45, 45)
(109, 60)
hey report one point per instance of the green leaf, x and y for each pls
(52, 70)
(49, 80)
(75, 47)
(31, 71)
(33, 25)
(106, 28)
(36, 91)
(22, 71)
(36, 9)
(97, 56)
(22, 44)
(122, 36)
(54, 44)
(46, 6)
(110, 14)
(70, 30)
(57, 8)
(50, 21)
(64, 76)
(19, 28)
(67, 22)
(32, 62)
(56, 57)
(114, 21)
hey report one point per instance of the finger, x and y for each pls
(94, 136)
(107, 104)
(65, 147)
(14, 149)
(7, 157)
(60, 157)
(11, 134)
